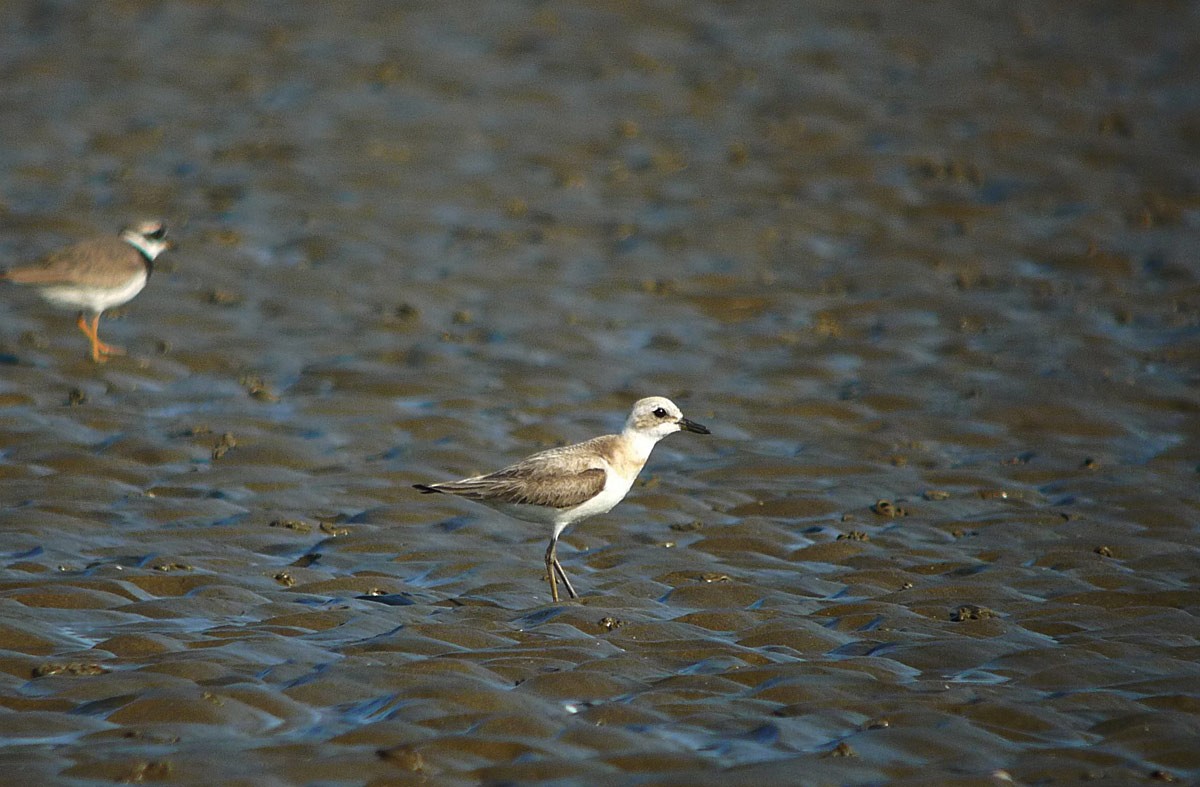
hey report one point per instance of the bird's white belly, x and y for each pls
(615, 489)
(95, 300)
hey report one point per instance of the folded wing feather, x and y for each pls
(560, 477)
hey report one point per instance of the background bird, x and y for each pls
(95, 275)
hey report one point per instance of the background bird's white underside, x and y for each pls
(74, 296)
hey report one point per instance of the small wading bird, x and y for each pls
(561, 486)
(97, 274)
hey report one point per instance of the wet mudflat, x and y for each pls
(929, 274)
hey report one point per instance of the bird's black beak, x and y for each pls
(692, 426)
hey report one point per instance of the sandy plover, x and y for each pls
(561, 486)
(97, 274)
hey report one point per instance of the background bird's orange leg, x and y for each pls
(107, 349)
(88, 332)
(99, 348)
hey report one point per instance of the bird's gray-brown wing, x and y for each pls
(103, 262)
(559, 478)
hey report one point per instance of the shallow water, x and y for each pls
(929, 274)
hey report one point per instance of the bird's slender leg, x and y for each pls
(551, 559)
(556, 571)
(563, 575)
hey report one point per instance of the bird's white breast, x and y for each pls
(614, 491)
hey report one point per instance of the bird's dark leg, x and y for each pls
(556, 571)
(551, 560)
(563, 575)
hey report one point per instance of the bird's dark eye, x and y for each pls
(157, 234)
(660, 413)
